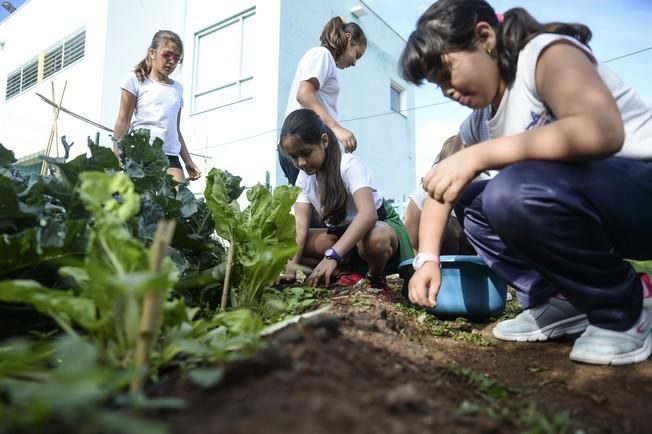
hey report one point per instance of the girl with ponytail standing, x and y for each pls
(315, 85)
(151, 100)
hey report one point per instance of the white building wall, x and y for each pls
(36, 26)
(238, 137)
(118, 33)
(386, 138)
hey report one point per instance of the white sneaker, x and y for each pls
(607, 347)
(554, 319)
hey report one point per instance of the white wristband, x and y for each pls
(422, 258)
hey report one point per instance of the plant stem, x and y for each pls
(150, 318)
(227, 275)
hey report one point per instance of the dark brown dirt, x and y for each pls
(368, 367)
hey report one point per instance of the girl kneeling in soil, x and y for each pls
(574, 194)
(363, 233)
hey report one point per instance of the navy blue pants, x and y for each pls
(552, 228)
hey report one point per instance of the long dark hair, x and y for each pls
(307, 127)
(449, 25)
(333, 36)
(160, 39)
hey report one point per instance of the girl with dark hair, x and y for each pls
(315, 85)
(150, 99)
(573, 197)
(363, 233)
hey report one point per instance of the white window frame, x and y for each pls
(402, 98)
(238, 81)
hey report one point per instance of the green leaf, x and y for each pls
(109, 194)
(54, 242)
(60, 305)
(187, 200)
(225, 211)
(144, 162)
(641, 266)
(6, 157)
(239, 322)
(232, 184)
(268, 239)
(101, 159)
(206, 377)
(13, 212)
(20, 357)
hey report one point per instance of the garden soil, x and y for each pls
(372, 366)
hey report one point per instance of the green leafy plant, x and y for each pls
(63, 386)
(114, 277)
(261, 237)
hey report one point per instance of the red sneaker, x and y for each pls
(379, 282)
(348, 279)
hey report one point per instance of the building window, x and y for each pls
(22, 79)
(63, 54)
(13, 84)
(53, 61)
(224, 65)
(397, 98)
(74, 48)
(56, 58)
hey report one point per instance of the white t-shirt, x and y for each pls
(355, 176)
(317, 63)
(522, 109)
(157, 108)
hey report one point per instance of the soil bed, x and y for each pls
(372, 366)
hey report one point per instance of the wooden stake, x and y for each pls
(54, 129)
(152, 313)
(56, 123)
(227, 275)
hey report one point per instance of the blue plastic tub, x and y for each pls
(468, 288)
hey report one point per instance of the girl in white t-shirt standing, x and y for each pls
(573, 197)
(363, 233)
(151, 100)
(315, 84)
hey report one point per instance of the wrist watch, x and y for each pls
(422, 258)
(332, 254)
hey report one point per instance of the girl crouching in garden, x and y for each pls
(363, 233)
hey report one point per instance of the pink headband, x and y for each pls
(500, 18)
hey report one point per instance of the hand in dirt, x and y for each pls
(325, 270)
(287, 278)
(424, 285)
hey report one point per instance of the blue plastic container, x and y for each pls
(468, 288)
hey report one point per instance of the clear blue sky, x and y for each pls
(619, 27)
